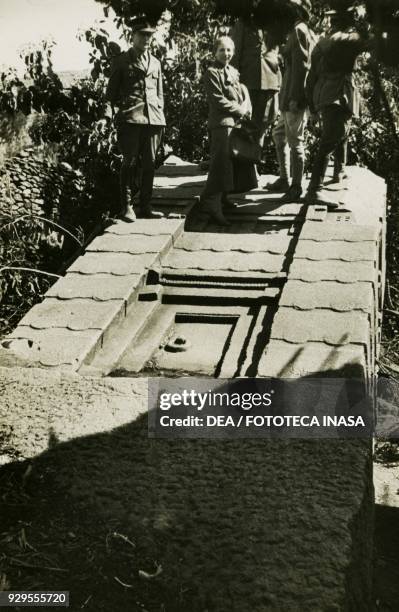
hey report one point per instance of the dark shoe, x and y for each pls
(318, 198)
(293, 194)
(337, 178)
(279, 186)
(149, 213)
(128, 215)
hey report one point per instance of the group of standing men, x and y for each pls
(284, 83)
(314, 77)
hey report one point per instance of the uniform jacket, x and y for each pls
(228, 98)
(256, 58)
(135, 86)
(297, 55)
(331, 77)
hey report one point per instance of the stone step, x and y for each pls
(147, 340)
(117, 339)
(245, 263)
(220, 294)
(244, 243)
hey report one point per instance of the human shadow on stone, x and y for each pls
(128, 522)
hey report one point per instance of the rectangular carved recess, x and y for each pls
(201, 326)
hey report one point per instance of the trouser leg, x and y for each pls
(295, 123)
(263, 110)
(282, 149)
(149, 145)
(340, 158)
(128, 138)
(335, 129)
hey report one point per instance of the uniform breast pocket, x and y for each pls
(151, 81)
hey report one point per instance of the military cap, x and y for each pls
(142, 24)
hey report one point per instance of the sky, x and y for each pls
(29, 21)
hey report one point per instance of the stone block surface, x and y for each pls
(134, 244)
(148, 227)
(101, 287)
(340, 271)
(244, 243)
(284, 359)
(342, 250)
(120, 264)
(238, 262)
(328, 294)
(55, 348)
(333, 328)
(266, 206)
(76, 314)
(312, 230)
(293, 518)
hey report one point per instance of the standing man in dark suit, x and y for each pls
(256, 58)
(135, 87)
(289, 133)
(332, 92)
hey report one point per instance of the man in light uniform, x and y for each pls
(332, 92)
(289, 133)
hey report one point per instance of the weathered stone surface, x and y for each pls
(304, 508)
(245, 243)
(260, 262)
(327, 294)
(284, 359)
(56, 348)
(100, 287)
(335, 328)
(148, 227)
(135, 244)
(120, 264)
(36, 400)
(229, 276)
(345, 251)
(77, 314)
(312, 230)
(180, 182)
(316, 213)
(265, 206)
(366, 196)
(340, 271)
